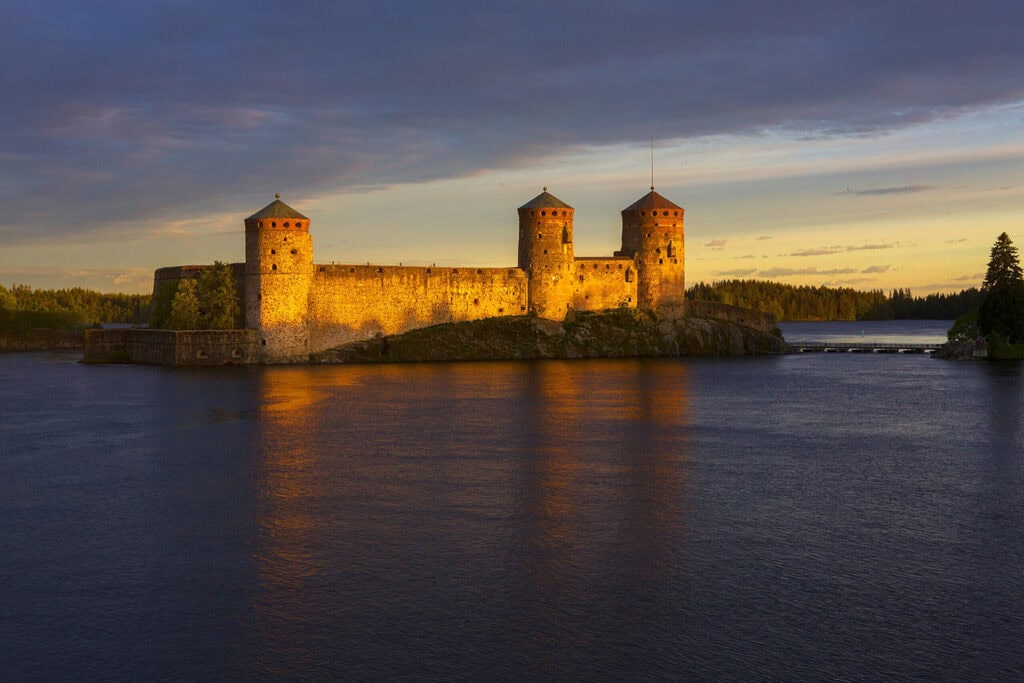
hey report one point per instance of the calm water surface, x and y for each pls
(814, 516)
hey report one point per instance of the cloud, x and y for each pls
(977, 277)
(745, 256)
(170, 110)
(827, 251)
(820, 251)
(740, 272)
(876, 269)
(764, 237)
(903, 189)
(955, 241)
(789, 272)
(715, 244)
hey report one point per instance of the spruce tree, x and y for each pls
(1002, 312)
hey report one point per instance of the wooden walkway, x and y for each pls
(860, 347)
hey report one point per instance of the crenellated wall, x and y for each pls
(349, 302)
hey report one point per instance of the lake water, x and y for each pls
(811, 516)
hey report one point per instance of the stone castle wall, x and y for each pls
(603, 283)
(172, 347)
(349, 302)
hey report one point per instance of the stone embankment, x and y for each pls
(613, 334)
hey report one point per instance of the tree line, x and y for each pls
(23, 307)
(802, 302)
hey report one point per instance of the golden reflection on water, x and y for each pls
(559, 469)
(605, 472)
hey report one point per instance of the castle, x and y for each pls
(298, 307)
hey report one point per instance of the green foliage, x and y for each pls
(185, 307)
(218, 298)
(790, 302)
(19, 322)
(965, 328)
(83, 306)
(160, 313)
(7, 300)
(216, 301)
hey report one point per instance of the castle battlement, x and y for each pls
(299, 307)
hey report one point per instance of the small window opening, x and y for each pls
(286, 224)
(273, 267)
(295, 251)
(479, 272)
(545, 251)
(273, 251)
(476, 302)
(236, 353)
(273, 224)
(351, 270)
(428, 271)
(380, 270)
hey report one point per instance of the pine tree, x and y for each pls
(1003, 265)
(1002, 312)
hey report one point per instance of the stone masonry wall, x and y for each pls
(603, 283)
(171, 347)
(349, 302)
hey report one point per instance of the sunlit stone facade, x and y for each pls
(299, 307)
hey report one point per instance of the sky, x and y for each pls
(875, 145)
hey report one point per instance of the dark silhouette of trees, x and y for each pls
(1002, 311)
(791, 302)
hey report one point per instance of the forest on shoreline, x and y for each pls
(806, 303)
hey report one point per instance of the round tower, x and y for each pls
(652, 233)
(278, 273)
(546, 254)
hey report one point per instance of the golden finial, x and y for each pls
(277, 195)
(545, 188)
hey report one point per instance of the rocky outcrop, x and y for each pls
(611, 334)
(960, 351)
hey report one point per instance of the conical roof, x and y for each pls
(276, 209)
(651, 200)
(545, 200)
